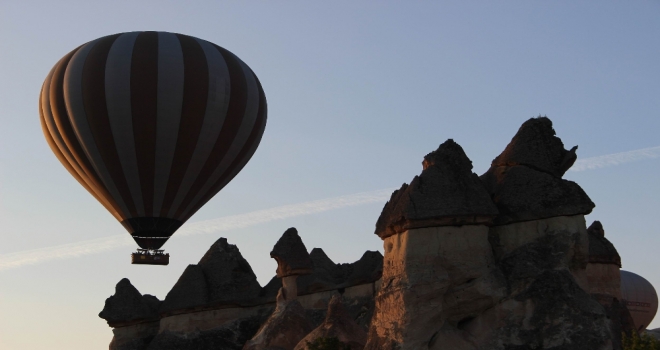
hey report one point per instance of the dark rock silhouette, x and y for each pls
(189, 291)
(127, 304)
(231, 336)
(501, 261)
(291, 255)
(523, 194)
(514, 282)
(446, 193)
(604, 276)
(283, 329)
(536, 146)
(229, 277)
(601, 250)
(368, 269)
(524, 181)
(337, 324)
(327, 275)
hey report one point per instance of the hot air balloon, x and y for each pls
(640, 297)
(153, 125)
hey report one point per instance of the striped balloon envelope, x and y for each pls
(153, 125)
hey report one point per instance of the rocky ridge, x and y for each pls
(500, 261)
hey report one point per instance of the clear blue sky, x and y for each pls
(358, 93)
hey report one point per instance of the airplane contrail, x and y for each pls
(72, 250)
(616, 159)
(93, 246)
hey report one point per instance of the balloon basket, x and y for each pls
(150, 257)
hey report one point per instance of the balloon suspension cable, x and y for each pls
(150, 257)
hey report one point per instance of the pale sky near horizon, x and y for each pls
(358, 93)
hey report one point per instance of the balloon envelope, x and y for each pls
(152, 124)
(640, 298)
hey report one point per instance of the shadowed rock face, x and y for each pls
(366, 270)
(524, 194)
(229, 277)
(230, 336)
(446, 193)
(291, 255)
(189, 291)
(283, 329)
(525, 181)
(433, 278)
(127, 304)
(604, 276)
(601, 250)
(337, 324)
(326, 276)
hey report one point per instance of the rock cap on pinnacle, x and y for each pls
(291, 255)
(525, 182)
(127, 304)
(601, 250)
(446, 193)
(536, 146)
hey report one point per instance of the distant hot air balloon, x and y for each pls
(640, 298)
(153, 125)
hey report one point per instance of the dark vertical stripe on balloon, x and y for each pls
(195, 94)
(235, 113)
(61, 118)
(144, 103)
(243, 156)
(93, 96)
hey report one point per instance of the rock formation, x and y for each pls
(222, 276)
(368, 269)
(546, 307)
(327, 275)
(291, 255)
(127, 304)
(603, 269)
(229, 336)
(229, 277)
(455, 283)
(292, 261)
(601, 250)
(337, 324)
(536, 146)
(503, 261)
(438, 268)
(188, 292)
(525, 180)
(446, 193)
(603, 273)
(284, 328)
